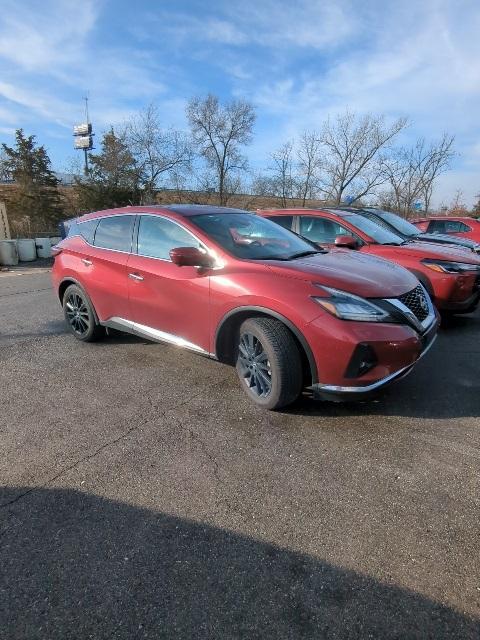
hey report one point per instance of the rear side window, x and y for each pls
(115, 232)
(87, 230)
(157, 236)
(284, 221)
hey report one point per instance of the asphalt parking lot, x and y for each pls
(144, 497)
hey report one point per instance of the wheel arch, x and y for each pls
(63, 286)
(230, 323)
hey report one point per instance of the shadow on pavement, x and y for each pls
(78, 566)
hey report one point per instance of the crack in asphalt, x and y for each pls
(123, 436)
(19, 293)
(196, 436)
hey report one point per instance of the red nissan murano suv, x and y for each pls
(239, 288)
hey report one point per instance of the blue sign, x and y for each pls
(349, 199)
(417, 206)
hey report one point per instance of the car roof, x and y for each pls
(300, 210)
(446, 218)
(185, 210)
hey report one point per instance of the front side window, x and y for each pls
(284, 221)
(463, 228)
(322, 230)
(115, 232)
(157, 236)
(397, 222)
(251, 237)
(375, 231)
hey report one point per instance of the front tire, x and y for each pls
(80, 315)
(268, 363)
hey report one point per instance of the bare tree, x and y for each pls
(159, 153)
(411, 172)
(353, 160)
(219, 133)
(283, 174)
(438, 156)
(309, 164)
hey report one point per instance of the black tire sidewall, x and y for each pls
(274, 398)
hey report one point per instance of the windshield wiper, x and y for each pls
(302, 254)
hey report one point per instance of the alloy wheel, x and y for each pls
(77, 313)
(255, 365)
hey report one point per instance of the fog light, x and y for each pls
(362, 360)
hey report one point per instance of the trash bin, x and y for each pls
(43, 247)
(27, 250)
(8, 253)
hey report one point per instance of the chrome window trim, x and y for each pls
(140, 214)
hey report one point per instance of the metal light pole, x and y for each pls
(83, 137)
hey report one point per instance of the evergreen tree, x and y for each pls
(36, 195)
(112, 180)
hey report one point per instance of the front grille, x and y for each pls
(417, 302)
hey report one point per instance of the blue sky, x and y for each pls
(296, 61)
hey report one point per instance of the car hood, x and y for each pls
(443, 238)
(430, 250)
(362, 275)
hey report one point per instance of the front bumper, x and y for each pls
(458, 293)
(397, 348)
(466, 306)
(340, 393)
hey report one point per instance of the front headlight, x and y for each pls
(350, 307)
(445, 266)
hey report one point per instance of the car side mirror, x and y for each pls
(190, 257)
(346, 241)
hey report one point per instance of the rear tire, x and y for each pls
(268, 363)
(80, 315)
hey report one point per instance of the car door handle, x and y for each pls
(135, 276)
(87, 263)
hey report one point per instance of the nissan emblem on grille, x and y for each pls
(417, 302)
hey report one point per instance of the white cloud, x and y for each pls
(47, 39)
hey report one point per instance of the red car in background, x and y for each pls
(460, 227)
(450, 275)
(233, 286)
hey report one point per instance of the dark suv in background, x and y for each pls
(409, 231)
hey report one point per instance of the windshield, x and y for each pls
(400, 224)
(375, 231)
(251, 237)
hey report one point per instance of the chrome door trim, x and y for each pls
(152, 334)
(135, 276)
